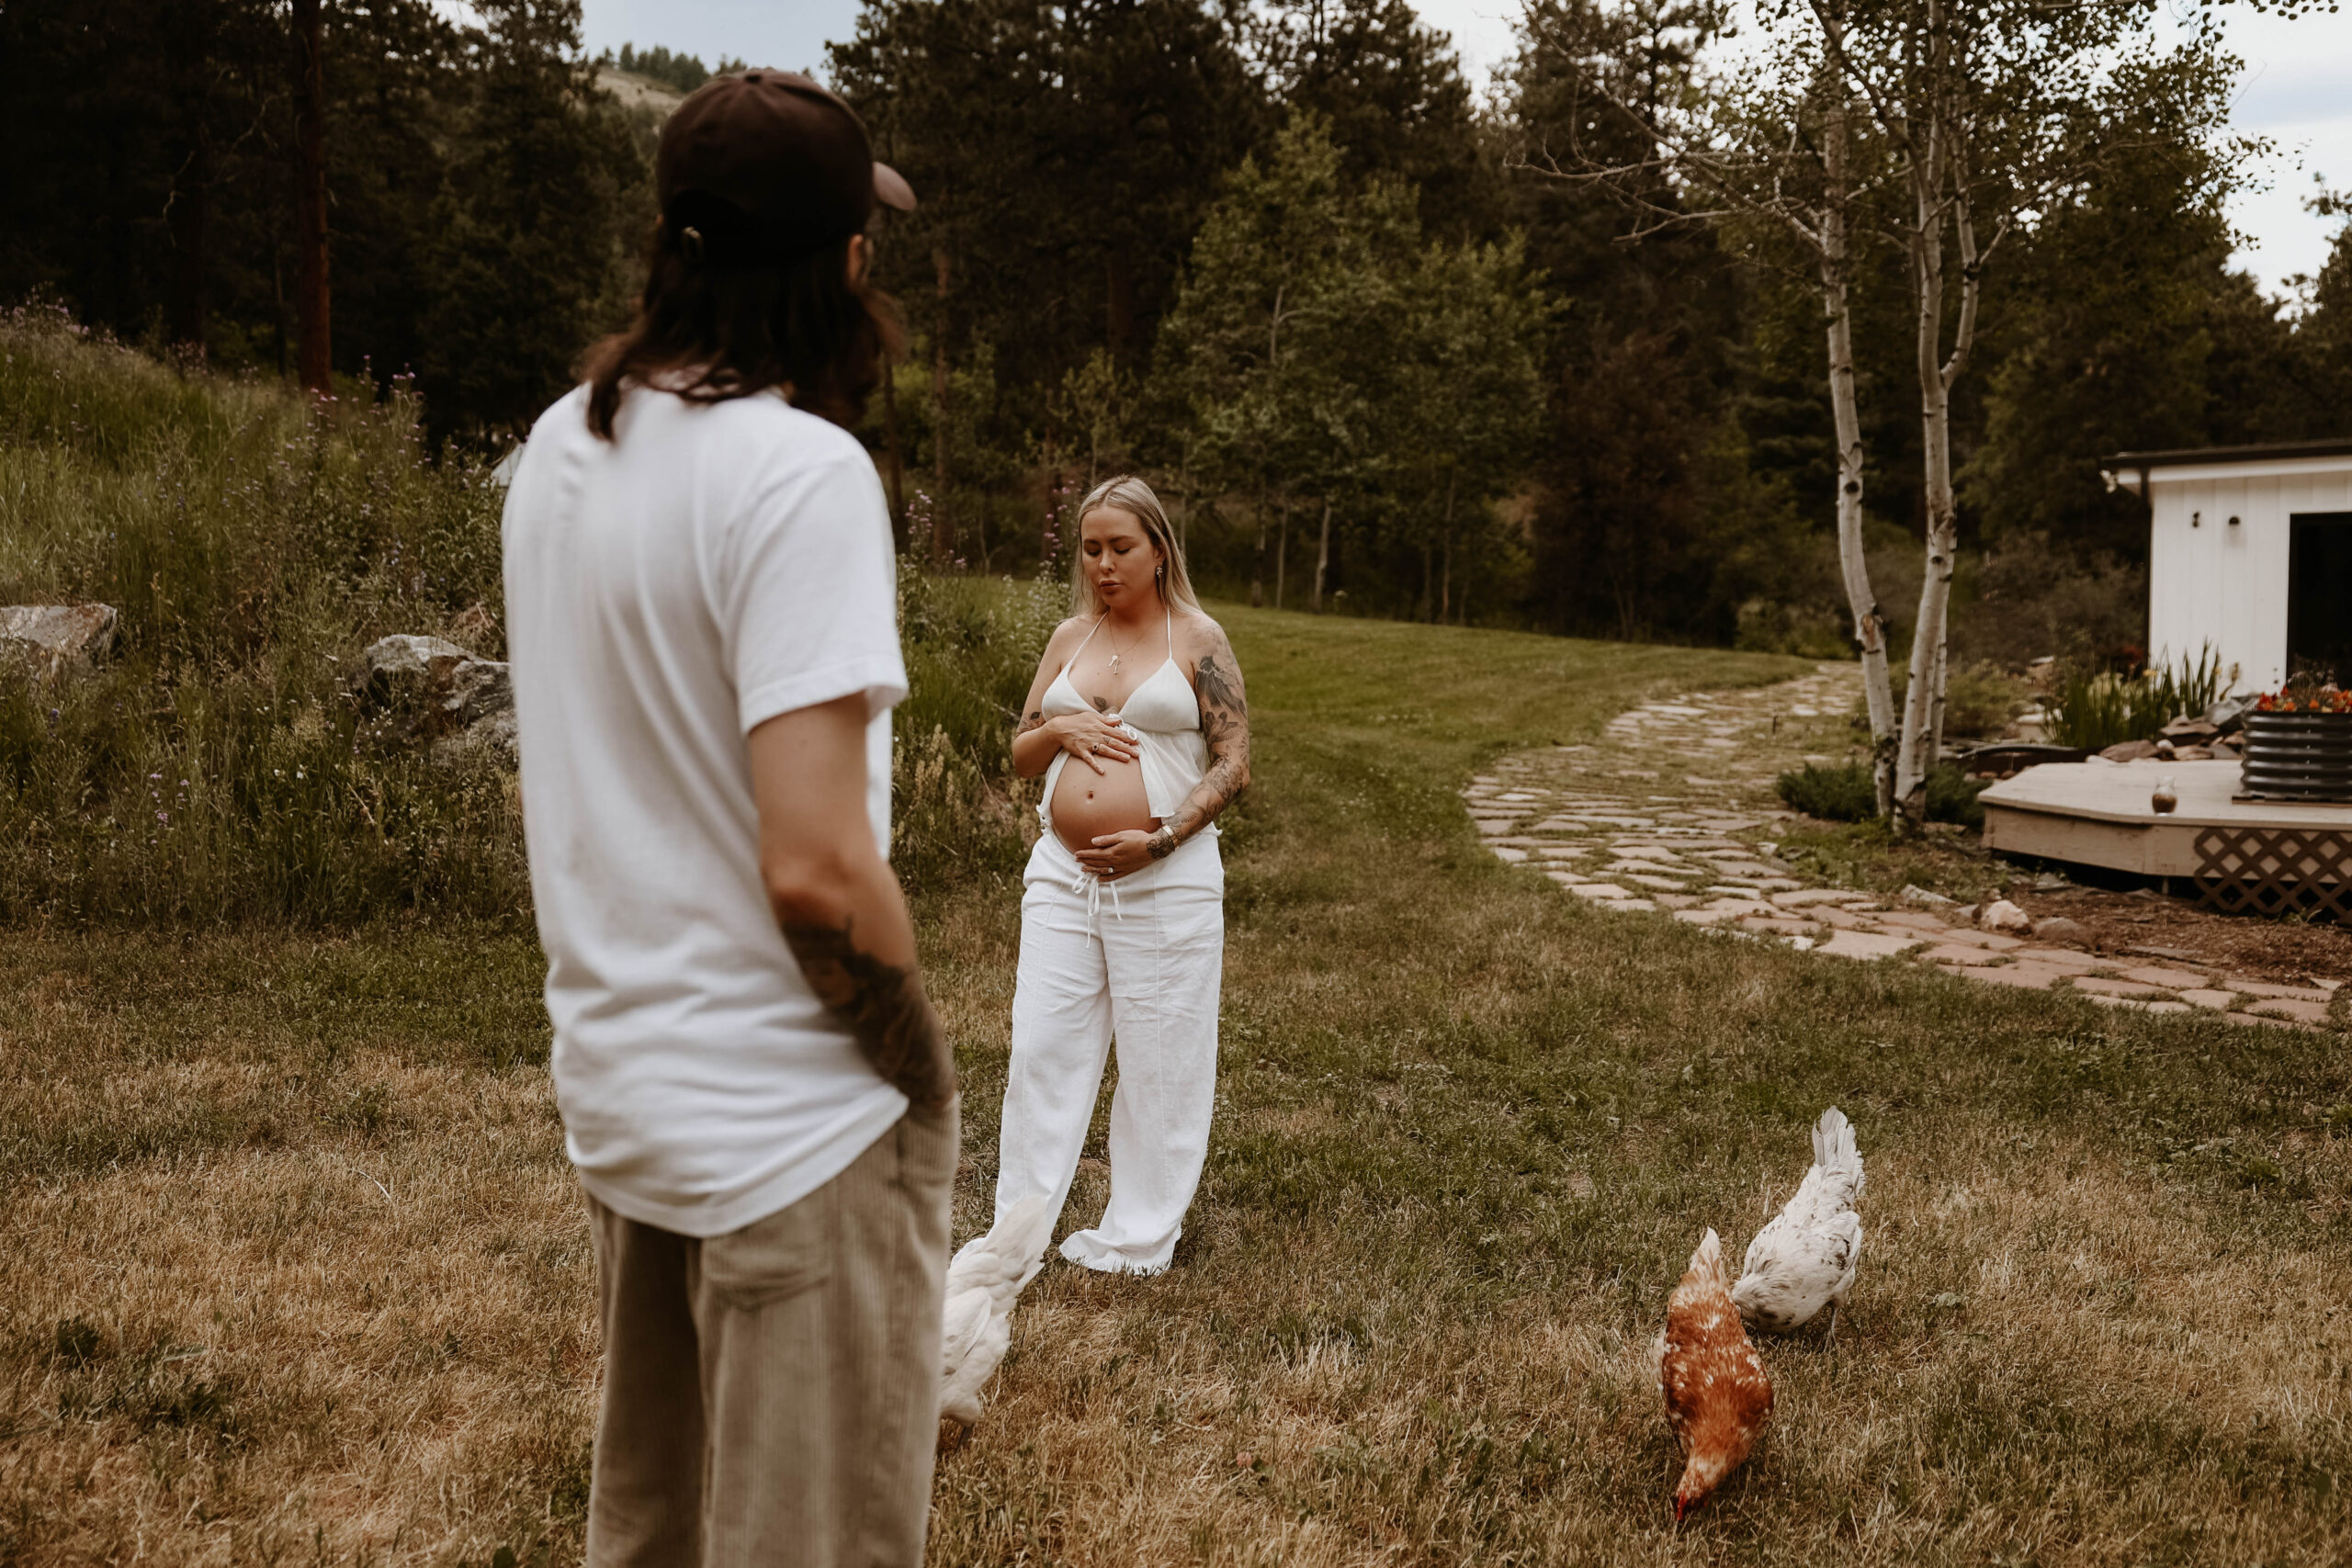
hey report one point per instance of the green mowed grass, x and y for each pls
(293, 1268)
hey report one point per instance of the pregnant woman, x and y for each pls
(1137, 722)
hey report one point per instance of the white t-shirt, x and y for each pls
(717, 565)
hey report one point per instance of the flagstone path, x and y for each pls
(1671, 813)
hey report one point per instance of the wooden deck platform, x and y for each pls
(2242, 853)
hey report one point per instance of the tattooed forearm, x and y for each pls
(1224, 723)
(1037, 721)
(885, 1008)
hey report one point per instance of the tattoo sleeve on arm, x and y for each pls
(1225, 722)
(885, 1008)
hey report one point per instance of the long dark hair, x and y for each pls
(711, 333)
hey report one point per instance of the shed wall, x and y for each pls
(2211, 585)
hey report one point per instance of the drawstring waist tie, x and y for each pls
(1090, 886)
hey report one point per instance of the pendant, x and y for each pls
(1115, 664)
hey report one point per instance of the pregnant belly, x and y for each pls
(1088, 805)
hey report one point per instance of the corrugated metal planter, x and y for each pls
(2299, 756)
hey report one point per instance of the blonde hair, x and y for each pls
(1129, 494)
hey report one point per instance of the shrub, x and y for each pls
(1843, 794)
(1847, 794)
(971, 645)
(1979, 698)
(254, 541)
(218, 768)
(2096, 708)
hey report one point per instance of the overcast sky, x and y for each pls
(2297, 89)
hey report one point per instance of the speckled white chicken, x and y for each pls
(1804, 1259)
(982, 1284)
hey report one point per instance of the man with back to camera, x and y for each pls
(754, 1088)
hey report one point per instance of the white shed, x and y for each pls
(2249, 555)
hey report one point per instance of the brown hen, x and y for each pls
(1717, 1397)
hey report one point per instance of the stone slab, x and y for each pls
(2288, 1006)
(1952, 953)
(2057, 957)
(2265, 988)
(2137, 1004)
(2159, 975)
(1776, 927)
(1866, 944)
(2100, 984)
(1916, 921)
(2025, 976)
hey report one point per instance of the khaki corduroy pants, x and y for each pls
(771, 1395)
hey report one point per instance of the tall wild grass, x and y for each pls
(972, 645)
(217, 768)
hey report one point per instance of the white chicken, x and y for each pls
(982, 1284)
(1804, 1259)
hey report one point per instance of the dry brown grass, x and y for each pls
(293, 1270)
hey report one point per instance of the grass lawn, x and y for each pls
(291, 1268)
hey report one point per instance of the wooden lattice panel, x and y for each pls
(2271, 869)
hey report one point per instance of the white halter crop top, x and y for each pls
(1162, 716)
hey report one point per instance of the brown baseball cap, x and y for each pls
(767, 166)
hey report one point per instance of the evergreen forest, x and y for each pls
(1391, 342)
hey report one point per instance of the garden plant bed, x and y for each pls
(2126, 923)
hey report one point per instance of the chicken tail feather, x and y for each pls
(1833, 1145)
(1707, 1262)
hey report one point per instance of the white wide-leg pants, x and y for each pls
(1142, 959)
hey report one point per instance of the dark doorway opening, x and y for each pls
(2319, 596)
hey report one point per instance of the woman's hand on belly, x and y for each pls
(1114, 855)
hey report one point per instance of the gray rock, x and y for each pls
(493, 738)
(435, 689)
(1918, 895)
(2130, 752)
(2058, 928)
(56, 641)
(2000, 915)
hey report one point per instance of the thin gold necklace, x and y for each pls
(1116, 650)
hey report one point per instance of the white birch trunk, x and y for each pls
(1935, 177)
(1323, 555)
(1869, 626)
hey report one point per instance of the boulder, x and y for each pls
(2000, 915)
(493, 738)
(2058, 928)
(56, 641)
(2130, 752)
(434, 688)
(2228, 715)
